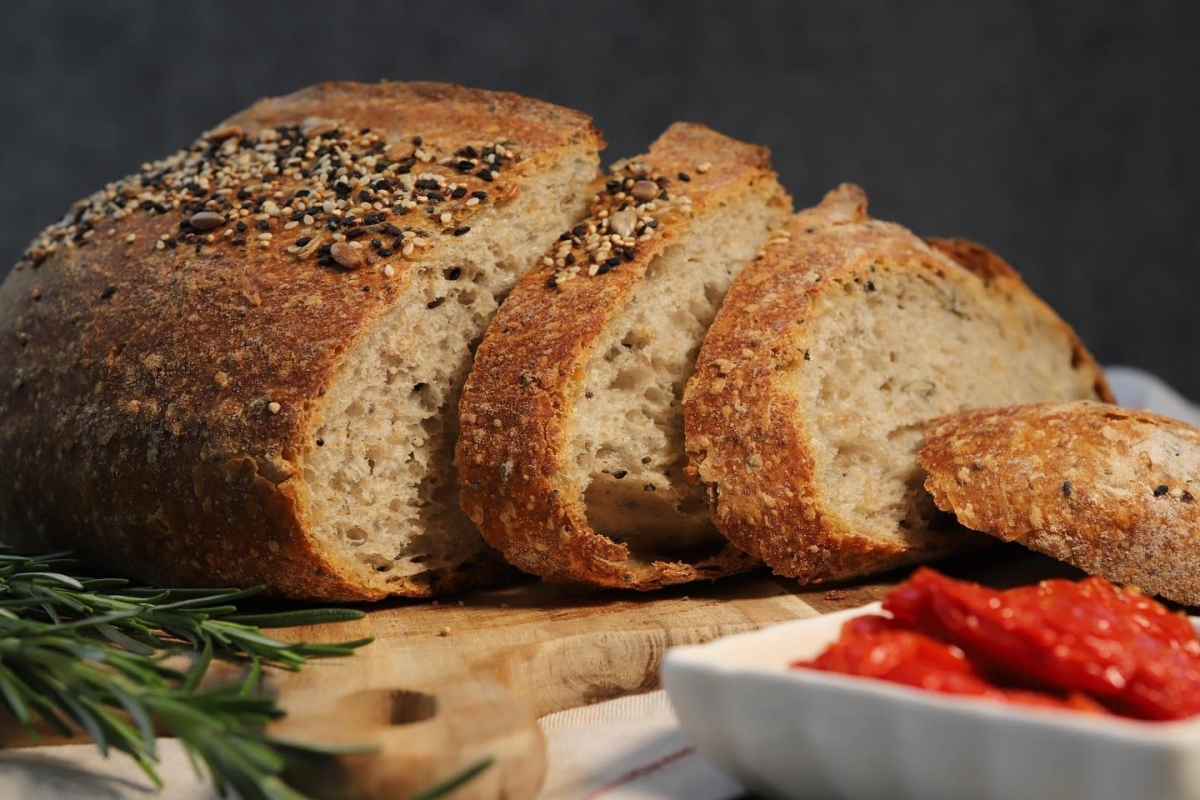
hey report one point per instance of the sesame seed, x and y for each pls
(274, 407)
(389, 271)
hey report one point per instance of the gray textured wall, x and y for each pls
(1066, 136)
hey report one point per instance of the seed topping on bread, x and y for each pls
(625, 214)
(347, 197)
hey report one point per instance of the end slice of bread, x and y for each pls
(832, 353)
(1113, 492)
(571, 453)
(242, 364)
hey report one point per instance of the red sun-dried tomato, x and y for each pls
(877, 647)
(1122, 648)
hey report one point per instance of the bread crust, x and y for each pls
(1105, 489)
(157, 404)
(743, 431)
(518, 401)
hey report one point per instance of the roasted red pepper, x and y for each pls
(1056, 643)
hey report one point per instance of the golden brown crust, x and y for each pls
(518, 399)
(1108, 490)
(157, 397)
(742, 434)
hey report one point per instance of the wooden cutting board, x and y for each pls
(448, 684)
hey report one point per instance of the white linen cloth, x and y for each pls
(625, 749)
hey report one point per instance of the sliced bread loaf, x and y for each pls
(571, 453)
(241, 365)
(1111, 491)
(832, 352)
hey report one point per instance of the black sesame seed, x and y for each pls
(468, 151)
(382, 184)
(603, 269)
(613, 262)
(108, 292)
(459, 193)
(683, 176)
(391, 230)
(466, 166)
(426, 184)
(579, 230)
(453, 273)
(652, 223)
(480, 193)
(416, 140)
(1066, 488)
(303, 240)
(374, 219)
(264, 225)
(244, 194)
(613, 187)
(434, 197)
(485, 175)
(462, 230)
(357, 233)
(570, 259)
(366, 195)
(385, 251)
(332, 224)
(241, 226)
(1160, 490)
(320, 442)
(551, 282)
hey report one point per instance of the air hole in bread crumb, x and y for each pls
(435, 303)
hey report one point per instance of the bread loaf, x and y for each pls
(571, 453)
(831, 354)
(1111, 491)
(241, 365)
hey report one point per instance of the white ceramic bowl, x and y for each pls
(809, 735)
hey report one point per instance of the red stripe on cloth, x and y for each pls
(640, 772)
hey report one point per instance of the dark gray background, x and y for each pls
(1065, 136)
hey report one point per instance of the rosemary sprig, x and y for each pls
(84, 653)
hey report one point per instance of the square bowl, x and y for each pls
(803, 734)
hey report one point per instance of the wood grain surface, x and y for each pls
(449, 684)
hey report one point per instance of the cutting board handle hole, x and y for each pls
(389, 707)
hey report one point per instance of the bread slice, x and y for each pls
(831, 354)
(241, 365)
(1113, 492)
(571, 454)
